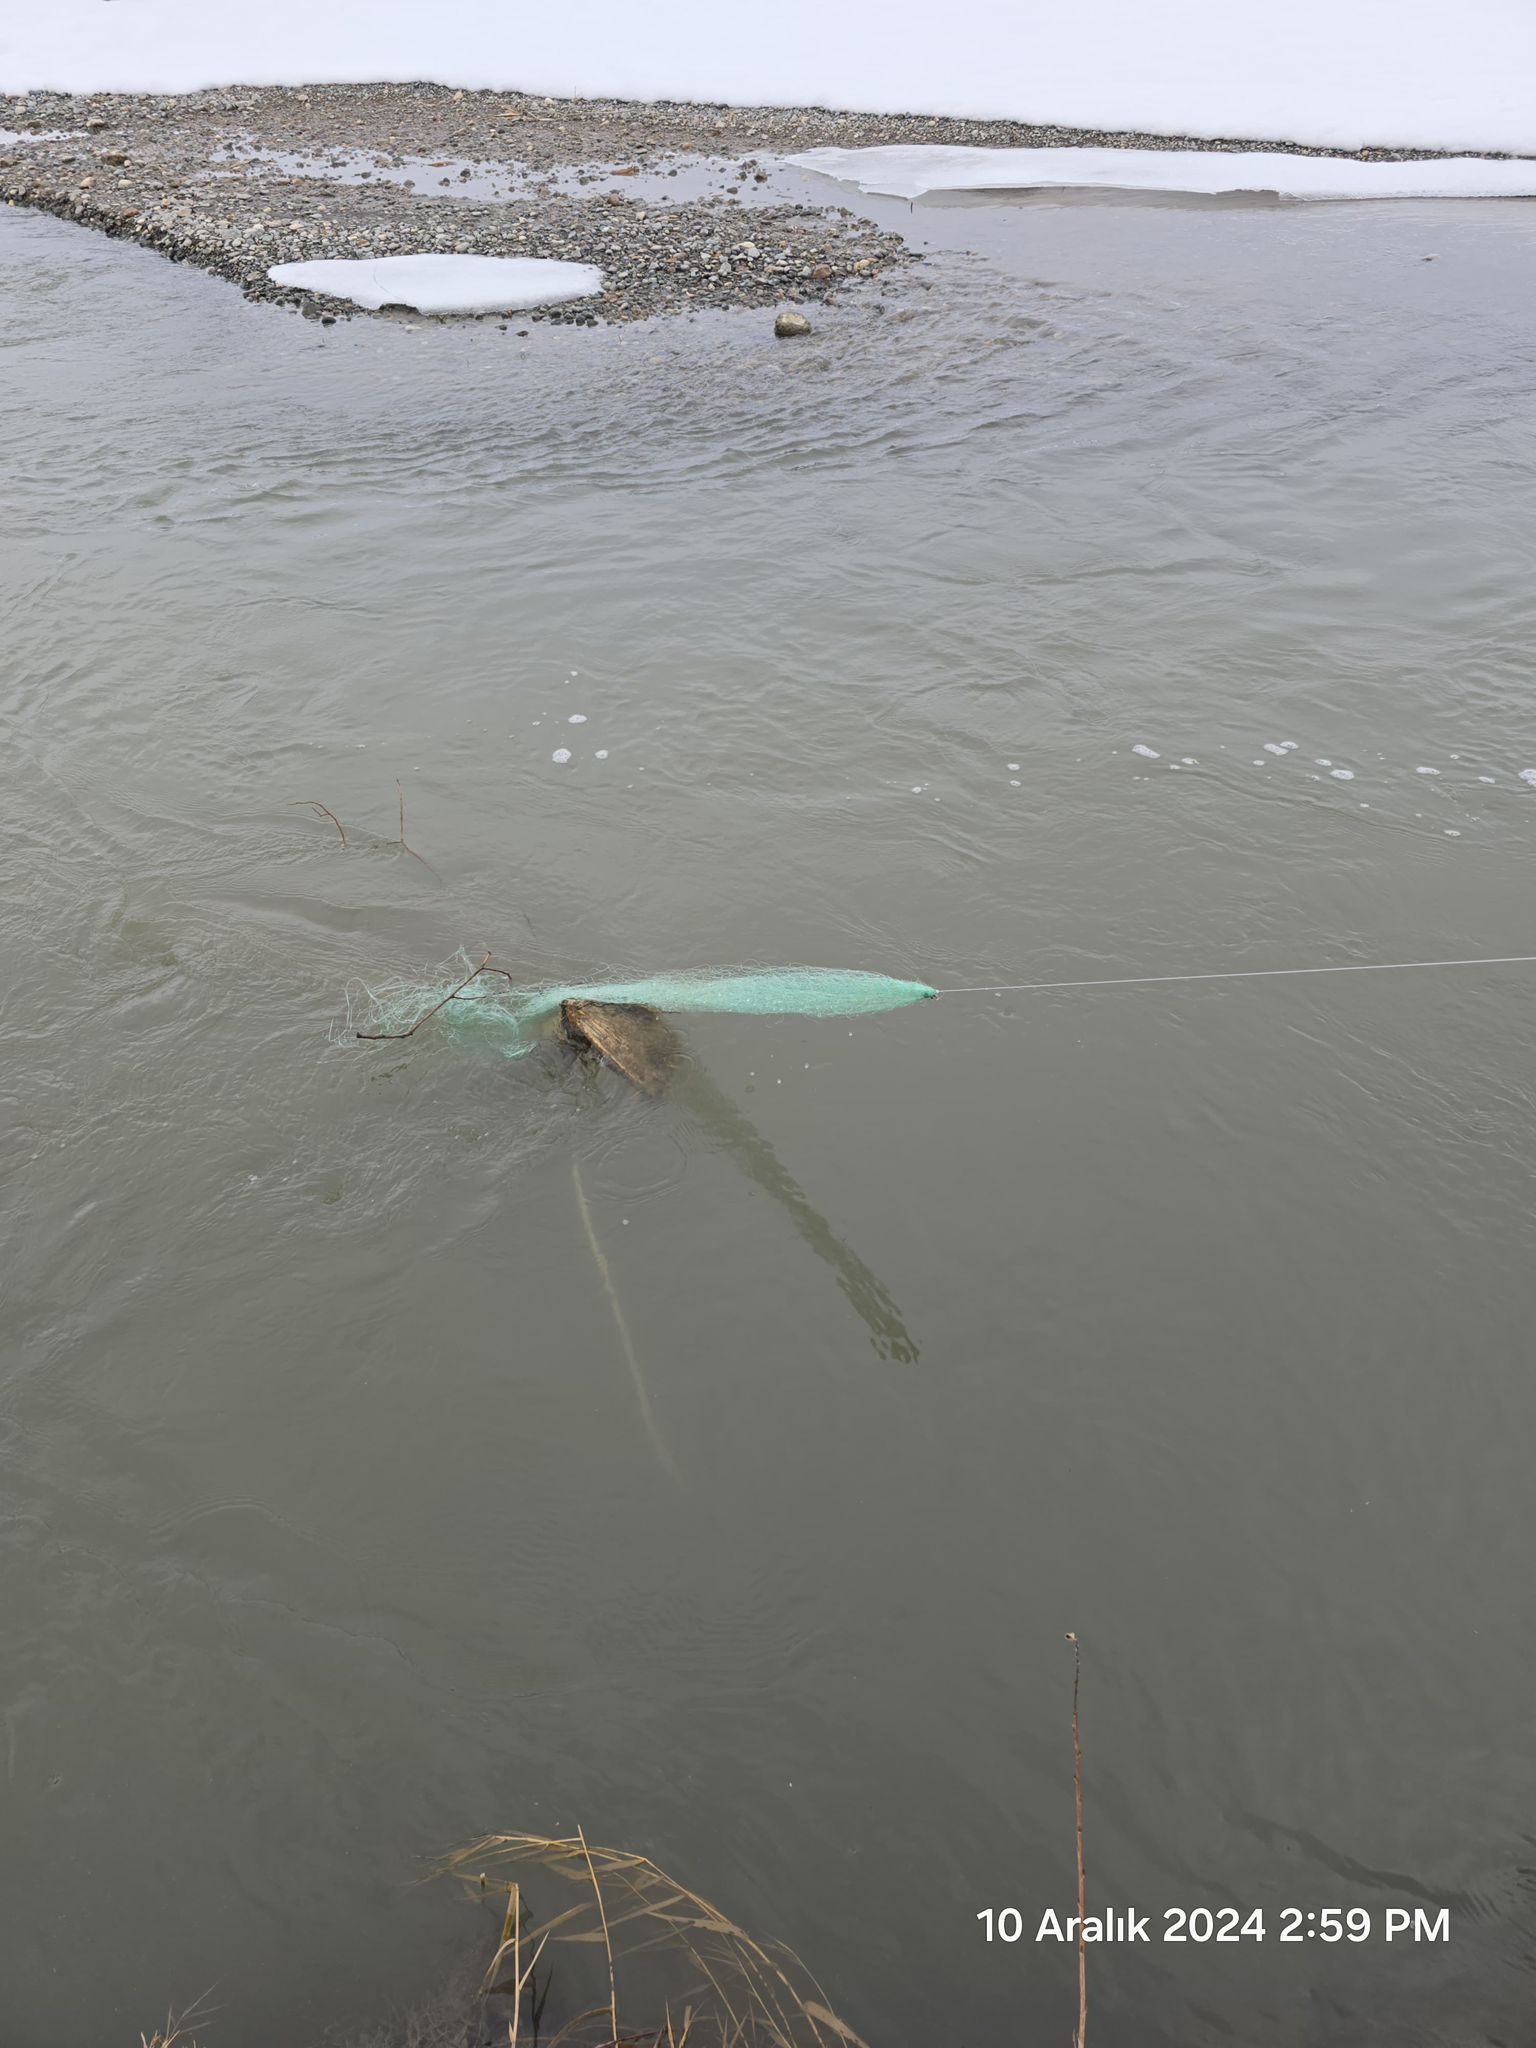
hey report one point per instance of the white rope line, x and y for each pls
(1010, 988)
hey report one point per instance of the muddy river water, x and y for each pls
(1144, 590)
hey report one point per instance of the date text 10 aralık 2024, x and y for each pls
(1201, 1924)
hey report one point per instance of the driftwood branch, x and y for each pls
(374, 1037)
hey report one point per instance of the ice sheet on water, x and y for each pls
(908, 170)
(443, 284)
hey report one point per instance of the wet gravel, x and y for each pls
(237, 180)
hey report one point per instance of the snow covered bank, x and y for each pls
(908, 170)
(1336, 73)
(443, 283)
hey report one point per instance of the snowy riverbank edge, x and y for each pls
(208, 178)
(1336, 74)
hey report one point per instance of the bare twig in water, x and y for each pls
(374, 1037)
(313, 803)
(405, 845)
(1080, 2034)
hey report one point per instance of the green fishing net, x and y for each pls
(518, 1017)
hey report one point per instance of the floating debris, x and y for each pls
(635, 1041)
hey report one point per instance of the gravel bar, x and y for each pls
(236, 180)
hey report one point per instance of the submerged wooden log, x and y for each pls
(635, 1041)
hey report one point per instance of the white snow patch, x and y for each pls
(1335, 73)
(908, 170)
(443, 284)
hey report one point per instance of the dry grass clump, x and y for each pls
(643, 1961)
(174, 2033)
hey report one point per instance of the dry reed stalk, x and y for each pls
(602, 1914)
(1080, 2035)
(749, 1994)
(175, 2028)
(515, 1985)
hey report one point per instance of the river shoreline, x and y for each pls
(234, 181)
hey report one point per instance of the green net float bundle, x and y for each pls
(522, 1016)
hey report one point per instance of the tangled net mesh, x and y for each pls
(491, 1009)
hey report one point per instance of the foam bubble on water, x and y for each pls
(561, 754)
(601, 754)
(1322, 763)
(918, 788)
(1189, 761)
(1275, 747)
(1014, 782)
(1528, 775)
(1342, 774)
(1013, 767)
(1426, 771)
(577, 718)
(1146, 753)
(1450, 834)
(1485, 778)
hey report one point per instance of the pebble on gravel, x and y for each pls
(788, 324)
